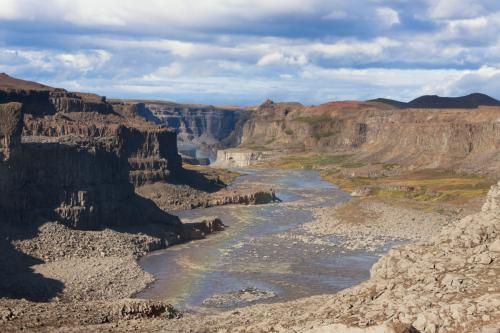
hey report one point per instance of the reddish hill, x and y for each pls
(9, 83)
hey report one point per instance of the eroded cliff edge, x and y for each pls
(72, 158)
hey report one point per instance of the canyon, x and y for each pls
(468, 140)
(89, 186)
(204, 126)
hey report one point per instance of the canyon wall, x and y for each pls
(151, 151)
(77, 159)
(202, 125)
(83, 185)
(462, 139)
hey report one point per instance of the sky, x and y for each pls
(242, 52)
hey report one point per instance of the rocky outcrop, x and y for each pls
(200, 229)
(66, 102)
(448, 284)
(173, 198)
(230, 158)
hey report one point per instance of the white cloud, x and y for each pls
(455, 9)
(253, 49)
(159, 13)
(387, 16)
(335, 15)
(9, 10)
(277, 58)
(166, 72)
(50, 61)
(347, 48)
(485, 79)
(84, 61)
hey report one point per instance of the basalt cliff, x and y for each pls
(205, 126)
(75, 158)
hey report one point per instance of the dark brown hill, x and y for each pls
(9, 82)
(471, 101)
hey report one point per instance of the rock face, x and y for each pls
(82, 185)
(467, 139)
(77, 159)
(10, 128)
(197, 124)
(239, 158)
(151, 151)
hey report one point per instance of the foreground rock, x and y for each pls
(174, 197)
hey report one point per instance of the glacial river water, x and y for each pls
(261, 256)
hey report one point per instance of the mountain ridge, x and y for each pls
(471, 101)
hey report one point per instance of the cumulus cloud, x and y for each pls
(84, 62)
(485, 79)
(9, 10)
(277, 58)
(165, 72)
(231, 51)
(455, 9)
(387, 16)
(151, 12)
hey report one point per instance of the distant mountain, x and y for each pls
(437, 102)
(9, 82)
(391, 102)
(464, 102)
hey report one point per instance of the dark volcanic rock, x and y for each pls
(10, 127)
(465, 102)
(77, 160)
(82, 185)
(471, 101)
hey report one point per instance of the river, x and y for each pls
(261, 256)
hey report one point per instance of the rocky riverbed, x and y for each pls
(444, 283)
(368, 223)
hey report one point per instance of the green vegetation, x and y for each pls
(353, 165)
(319, 135)
(224, 175)
(288, 131)
(424, 185)
(313, 120)
(307, 161)
(268, 142)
